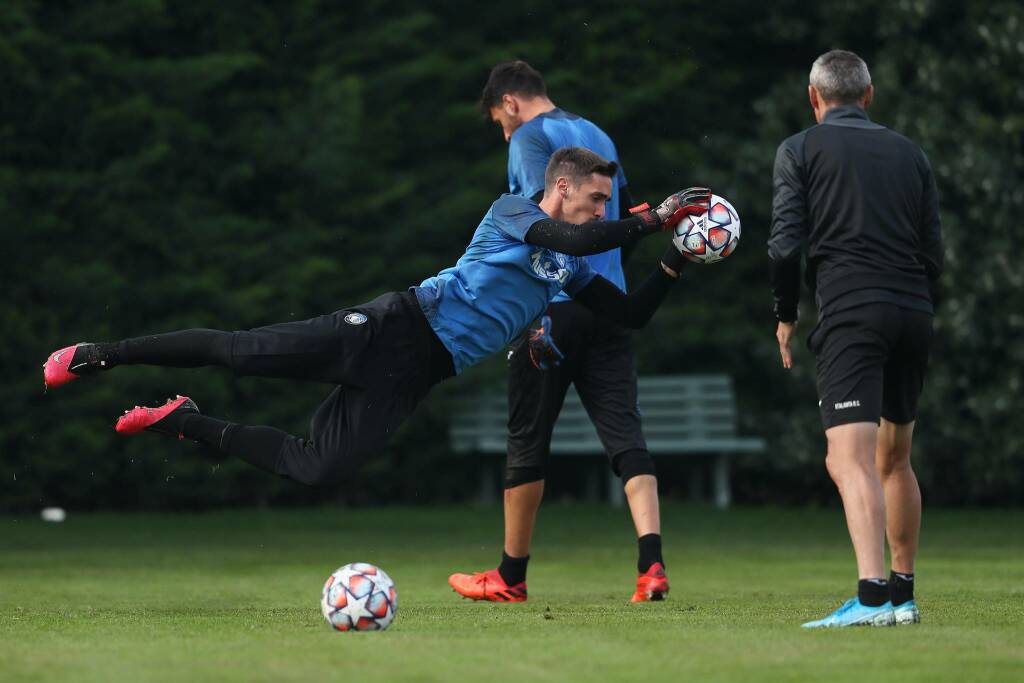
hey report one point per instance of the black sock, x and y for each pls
(650, 552)
(513, 569)
(901, 588)
(182, 349)
(108, 354)
(204, 429)
(258, 446)
(873, 592)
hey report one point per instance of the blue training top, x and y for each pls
(529, 150)
(499, 286)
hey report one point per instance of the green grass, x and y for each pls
(233, 596)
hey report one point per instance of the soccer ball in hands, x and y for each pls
(711, 236)
(359, 597)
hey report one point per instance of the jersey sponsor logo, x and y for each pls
(550, 265)
(847, 404)
(355, 318)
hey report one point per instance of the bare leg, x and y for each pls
(851, 463)
(902, 494)
(642, 494)
(521, 504)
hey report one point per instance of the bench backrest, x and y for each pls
(695, 412)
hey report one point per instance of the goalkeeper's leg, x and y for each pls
(328, 348)
(319, 349)
(183, 349)
(348, 427)
(384, 355)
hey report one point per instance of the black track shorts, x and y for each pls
(599, 361)
(871, 363)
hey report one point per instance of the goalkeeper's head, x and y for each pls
(577, 184)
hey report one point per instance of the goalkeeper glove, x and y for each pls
(543, 352)
(690, 202)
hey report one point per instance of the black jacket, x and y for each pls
(863, 199)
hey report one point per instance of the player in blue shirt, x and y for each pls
(598, 354)
(384, 356)
(531, 146)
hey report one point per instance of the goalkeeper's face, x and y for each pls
(585, 202)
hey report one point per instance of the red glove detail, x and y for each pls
(690, 202)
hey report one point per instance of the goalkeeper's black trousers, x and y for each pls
(383, 356)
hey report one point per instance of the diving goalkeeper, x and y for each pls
(384, 356)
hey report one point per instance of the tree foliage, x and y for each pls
(171, 164)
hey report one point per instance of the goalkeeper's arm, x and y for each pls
(596, 237)
(635, 309)
(584, 239)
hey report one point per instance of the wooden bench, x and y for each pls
(683, 415)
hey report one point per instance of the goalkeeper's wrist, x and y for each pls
(672, 261)
(650, 221)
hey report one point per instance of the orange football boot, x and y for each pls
(487, 586)
(652, 584)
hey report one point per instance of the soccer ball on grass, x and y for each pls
(359, 597)
(711, 236)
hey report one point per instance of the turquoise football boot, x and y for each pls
(852, 613)
(907, 613)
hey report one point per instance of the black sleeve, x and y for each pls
(789, 230)
(931, 256)
(625, 204)
(785, 279)
(632, 310)
(585, 239)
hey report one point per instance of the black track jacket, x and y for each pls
(863, 198)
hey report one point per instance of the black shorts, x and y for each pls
(871, 363)
(599, 361)
(383, 355)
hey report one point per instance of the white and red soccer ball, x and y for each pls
(359, 597)
(711, 236)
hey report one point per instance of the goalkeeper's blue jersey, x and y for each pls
(499, 286)
(529, 150)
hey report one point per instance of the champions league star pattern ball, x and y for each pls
(711, 236)
(359, 597)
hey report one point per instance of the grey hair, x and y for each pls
(840, 77)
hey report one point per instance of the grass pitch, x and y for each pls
(233, 596)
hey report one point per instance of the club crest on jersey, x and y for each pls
(355, 318)
(550, 265)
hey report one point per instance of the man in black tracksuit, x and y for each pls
(863, 200)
